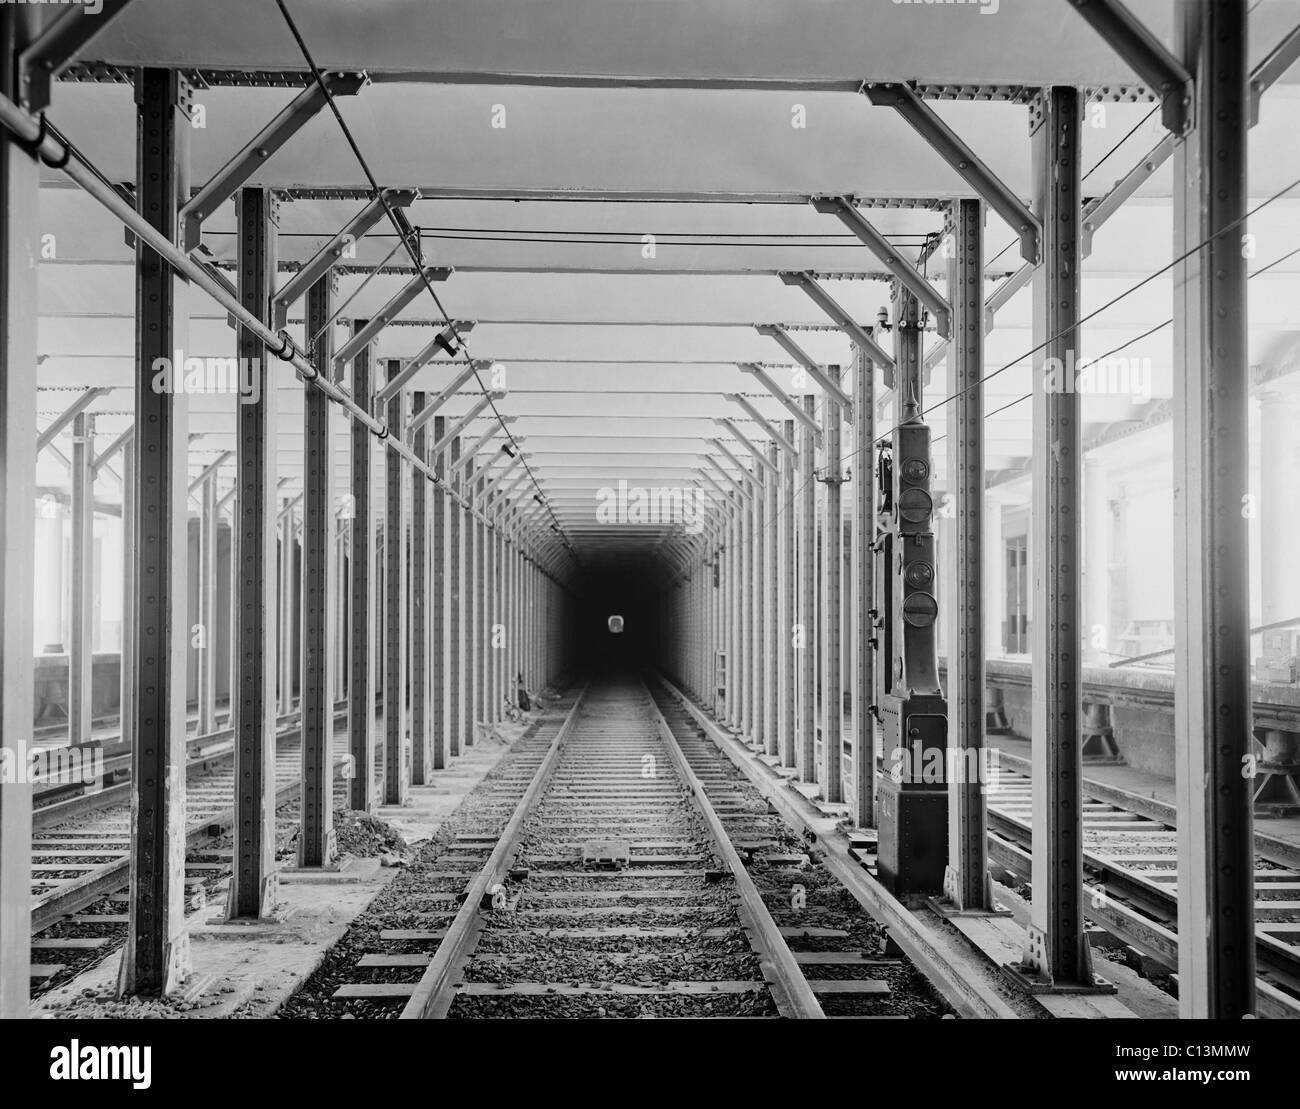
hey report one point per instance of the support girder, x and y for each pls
(65, 418)
(1131, 40)
(748, 443)
(388, 313)
(420, 418)
(769, 429)
(460, 425)
(794, 350)
(752, 478)
(952, 149)
(236, 172)
(792, 406)
(884, 251)
(859, 334)
(331, 254)
(445, 340)
(55, 47)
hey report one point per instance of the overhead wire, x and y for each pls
(400, 226)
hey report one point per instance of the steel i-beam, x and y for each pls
(287, 123)
(837, 315)
(361, 656)
(362, 337)
(445, 341)
(422, 602)
(20, 226)
(792, 406)
(156, 956)
(454, 593)
(889, 257)
(945, 142)
(832, 679)
(395, 615)
(334, 252)
(253, 882)
(81, 648)
(862, 682)
(831, 388)
(316, 839)
(966, 880)
(1057, 951)
(1212, 699)
(806, 649)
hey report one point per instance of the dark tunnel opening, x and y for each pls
(601, 651)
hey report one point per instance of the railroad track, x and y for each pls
(614, 864)
(81, 860)
(1131, 859)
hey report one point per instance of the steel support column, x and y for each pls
(454, 594)
(209, 522)
(284, 599)
(81, 645)
(395, 616)
(252, 885)
(749, 507)
(1057, 947)
(806, 649)
(156, 956)
(316, 841)
(1212, 698)
(734, 575)
(482, 615)
(757, 599)
(832, 776)
(424, 542)
(787, 657)
(862, 680)
(966, 880)
(361, 655)
(20, 227)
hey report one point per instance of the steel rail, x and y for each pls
(793, 995)
(430, 998)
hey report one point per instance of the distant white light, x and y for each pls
(616, 625)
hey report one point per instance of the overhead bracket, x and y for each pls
(419, 419)
(446, 340)
(334, 251)
(855, 331)
(1164, 74)
(388, 313)
(894, 262)
(761, 376)
(55, 48)
(274, 135)
(946, 143)
(769, 429)
(828, 385)
(749, 445)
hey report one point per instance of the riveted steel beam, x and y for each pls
(1057, 952)
(426, 412)
(389, 312)
(483, 440)
(395, 606)
(287, 123)
(734, 482)
(748, 474)
(156, 956)
(953, 150)
(855, 331)
(966, 880)
(316, 838)
(210, 471)
(760, 375)
(455, 599)
(437, 606)
(209, 523)
(65, 418)
(55, 47)
(806, 649)
(361, 593)
(459, 427)
(445, 341)
(1163, 73)
(830, 387)
(759, 454)
(1212, 670)
(889, 257)
(335, 250)
(81, 587)
(769, 429)
(253, 883)
(862, 568)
